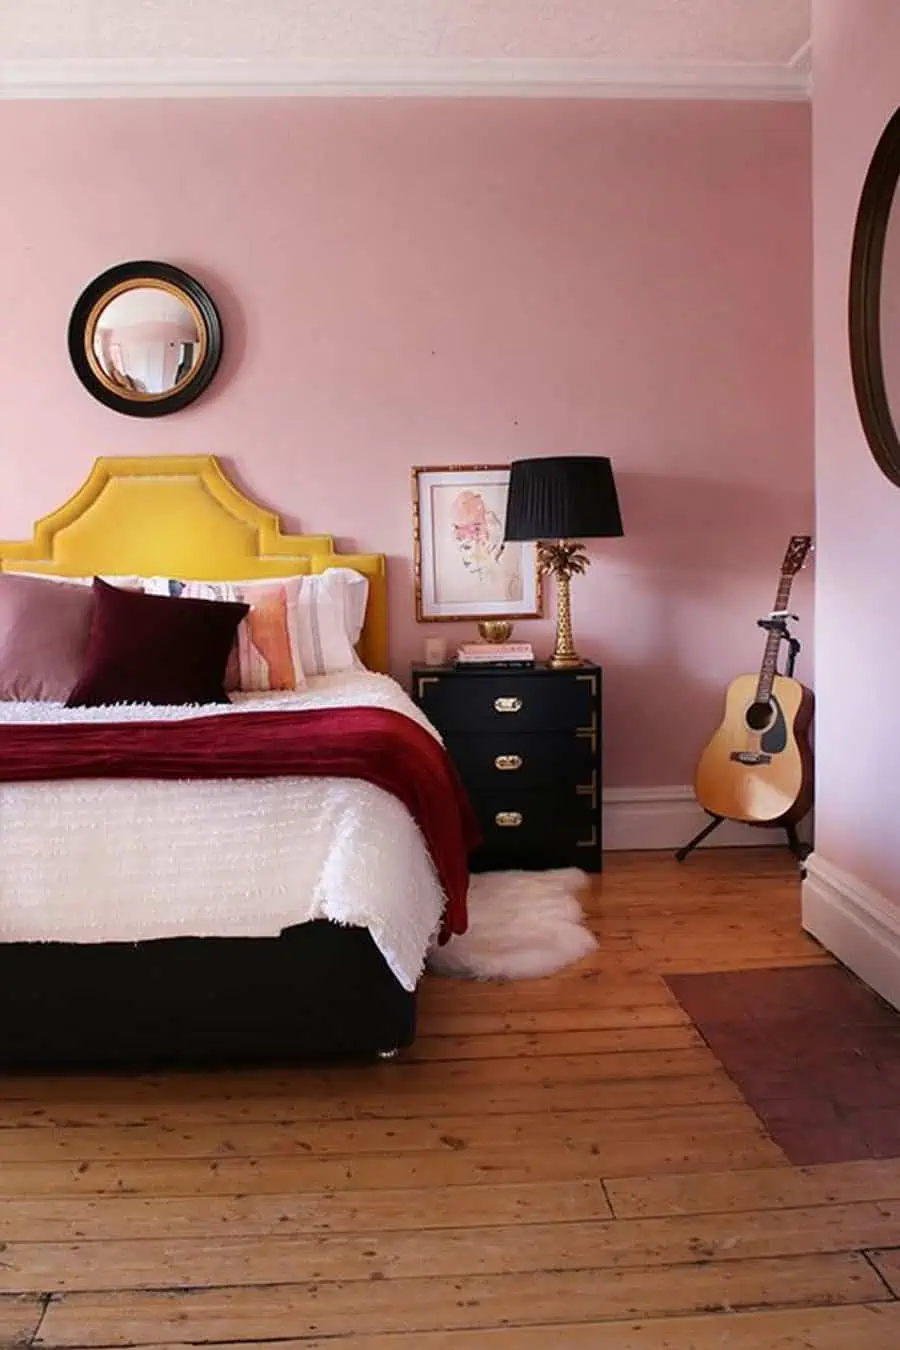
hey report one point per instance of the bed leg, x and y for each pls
(389, 1054)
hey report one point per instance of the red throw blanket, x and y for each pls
(376, 744)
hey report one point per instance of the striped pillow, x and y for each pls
(331, 609)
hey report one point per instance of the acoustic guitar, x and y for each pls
(758, 765)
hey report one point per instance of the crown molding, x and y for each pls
(233, 77)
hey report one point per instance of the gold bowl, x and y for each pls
(495, 630)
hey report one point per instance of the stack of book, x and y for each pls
(495, 654)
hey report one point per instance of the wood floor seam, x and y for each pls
(45, 1304)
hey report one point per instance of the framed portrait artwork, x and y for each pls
(463, 567)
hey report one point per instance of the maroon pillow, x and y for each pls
(44, 627)
(156, 649)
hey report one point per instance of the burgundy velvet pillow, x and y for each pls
(155, 649)
(44, 627)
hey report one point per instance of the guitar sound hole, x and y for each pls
(759, 715)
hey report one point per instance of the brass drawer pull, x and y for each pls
(507, 705)
(508, 762)
(508, 818)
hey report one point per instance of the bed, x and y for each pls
(266, 916)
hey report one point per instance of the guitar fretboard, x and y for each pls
(773, 642)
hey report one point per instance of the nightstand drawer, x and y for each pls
(512, 702)
(528, 828)
(522, 814)
(500, 761)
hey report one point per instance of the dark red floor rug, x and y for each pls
(813, 1050)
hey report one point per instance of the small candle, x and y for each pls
(435, 651)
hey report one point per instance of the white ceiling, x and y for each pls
(751, 44)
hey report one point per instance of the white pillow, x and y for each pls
(331, 611)
(356, 597)
(130, 583)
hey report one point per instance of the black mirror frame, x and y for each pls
(193, 292)
(878, 197)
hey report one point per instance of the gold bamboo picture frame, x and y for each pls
(464, 569)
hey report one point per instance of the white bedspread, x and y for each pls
(102, 860)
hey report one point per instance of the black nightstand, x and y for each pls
(527, 745)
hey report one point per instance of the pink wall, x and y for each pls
(857, 88)
(442, 282)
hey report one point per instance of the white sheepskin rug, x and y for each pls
(521, 925)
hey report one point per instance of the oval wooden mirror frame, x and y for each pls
(879, 197)
(199, 308)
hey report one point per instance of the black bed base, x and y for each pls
(317, 990)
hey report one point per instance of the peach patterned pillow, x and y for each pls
(266, 653)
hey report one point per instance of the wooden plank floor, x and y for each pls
(560, 1163)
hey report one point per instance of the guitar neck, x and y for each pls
(773, 641)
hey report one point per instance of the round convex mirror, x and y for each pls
(145, 338)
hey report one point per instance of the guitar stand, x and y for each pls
(775, 623)
(796, 845)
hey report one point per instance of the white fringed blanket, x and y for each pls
(105, 861)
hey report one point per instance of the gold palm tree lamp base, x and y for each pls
(564, 559)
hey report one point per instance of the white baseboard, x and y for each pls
(858, 924)
(667, 817)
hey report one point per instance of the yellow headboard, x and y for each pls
(179, 516)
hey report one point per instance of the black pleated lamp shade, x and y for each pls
(562, 497)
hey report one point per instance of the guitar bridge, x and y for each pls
(750, 757)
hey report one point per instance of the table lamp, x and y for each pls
(555, 502)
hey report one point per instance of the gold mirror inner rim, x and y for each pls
(90, 328)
